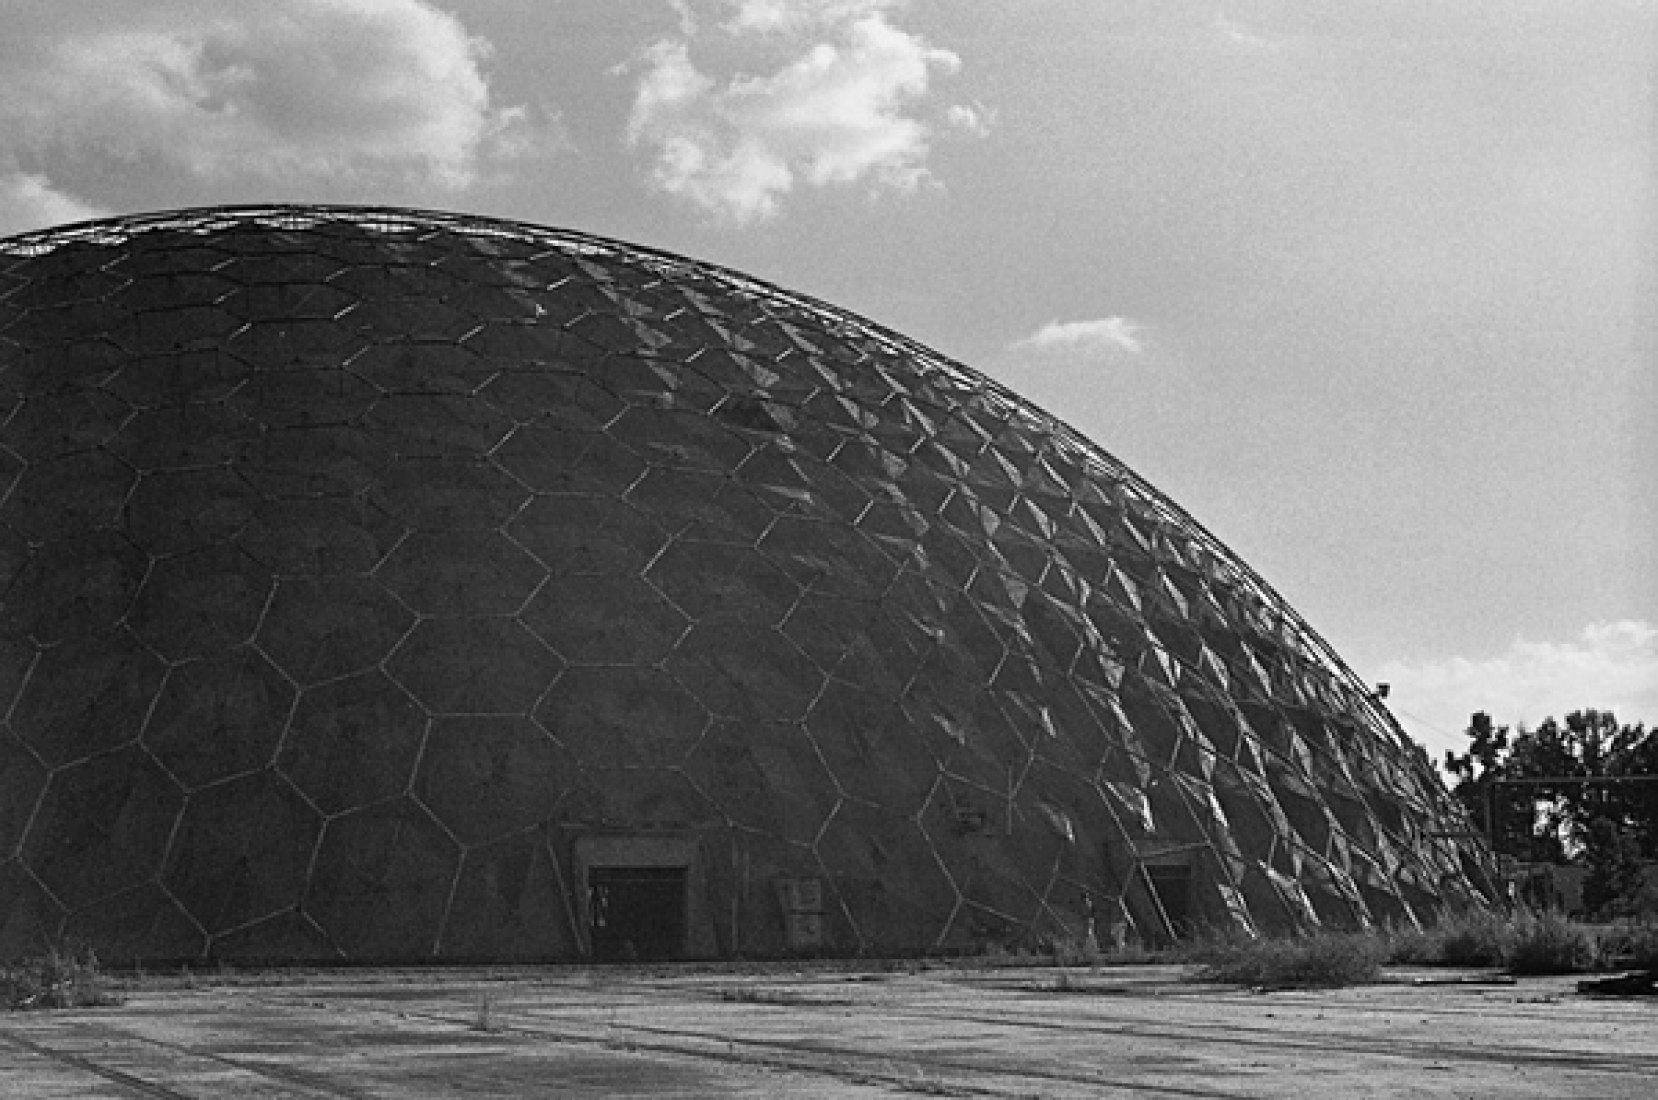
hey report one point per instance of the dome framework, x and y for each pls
(382, 584)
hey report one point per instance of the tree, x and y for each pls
(1578, 791)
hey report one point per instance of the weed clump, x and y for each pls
(1323, 960)
(59, 978)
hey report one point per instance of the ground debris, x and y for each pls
(1641, 984)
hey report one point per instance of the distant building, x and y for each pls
(394, 585)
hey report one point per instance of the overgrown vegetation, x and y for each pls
(1525, 943)
(1324, 960)
(60, 978)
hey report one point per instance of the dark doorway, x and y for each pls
(1171, 887)
(636, 912)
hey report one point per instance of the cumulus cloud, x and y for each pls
(841, 109)
(1082, 339)
(378, 90)
(1609, 666)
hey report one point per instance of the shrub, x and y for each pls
(1323, 960)
(1409, 946)
(1631, 945)
(1473, 939)
(61, 978)
(1548, 943)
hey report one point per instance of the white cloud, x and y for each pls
(1610, 666)
(30, 202)
(773, 17)
(286, 90)
(975, 119)
(1082, 339)
(840, 111)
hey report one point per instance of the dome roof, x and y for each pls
(390, 584)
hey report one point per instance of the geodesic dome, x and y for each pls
(384, 584)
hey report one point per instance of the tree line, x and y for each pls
(1583, 791)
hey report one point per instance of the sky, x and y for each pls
(1369, 289)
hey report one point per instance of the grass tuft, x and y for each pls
(60, 978)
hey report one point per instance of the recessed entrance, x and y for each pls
(1171, 889)
(636, 912)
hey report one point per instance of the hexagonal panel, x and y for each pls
(425, 367)
(484, 776)
(320, 537)
(281, 301)
(382, 881)
(69, 496)
(173, 329)
(52, 366)
(474, 666)
(587, 535)
(321, 628)
(353, 742)
(55, 425)
(702, 506)
(171, 512)
(680, 439)
(219, 717)
(769, 779)
(312, 462)
(739, 672)
(77, 586)
(715, 582)
(201, 602)
(651, 799)
(181, 437)
(869, 749)
(243, 850)
(828, 558)
(884, 870)
(555, 460)
(510, 900)
(438, 425)
(558, 400)
(102, 826)
(604, 620)
(175, 378)
(313, 397)
(612, 717)
(297, 343)
(446, 494)
(153, 289)
(461, 573)
(87, 698)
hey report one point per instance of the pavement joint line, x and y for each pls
(777, 1059)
